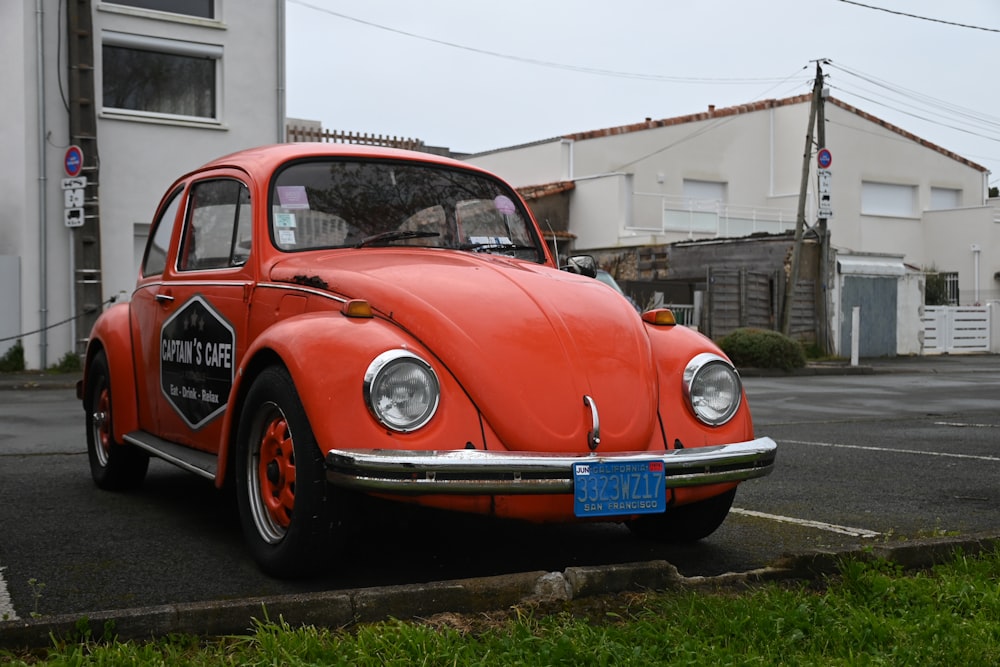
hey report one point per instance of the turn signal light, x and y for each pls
(661, 317)
(356, 308)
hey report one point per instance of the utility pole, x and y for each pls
(800, 217)
(83, 133)
(822, 291)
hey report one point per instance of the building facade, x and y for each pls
(737, 172)
(175, 84)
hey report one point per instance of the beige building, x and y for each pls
(737, 171)
(174, 84)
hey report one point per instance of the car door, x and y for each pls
(192, 321)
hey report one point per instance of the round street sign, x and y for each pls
(824, 158)
(73, 162)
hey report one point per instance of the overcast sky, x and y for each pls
(474, 75)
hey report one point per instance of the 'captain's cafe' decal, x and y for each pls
(197, 346)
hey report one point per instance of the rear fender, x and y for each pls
(112, 334)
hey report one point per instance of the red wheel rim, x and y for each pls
(276, 471)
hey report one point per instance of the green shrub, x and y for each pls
(762, 348)
(13, 360)
(69, 363)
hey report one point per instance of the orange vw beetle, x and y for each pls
(318, 322)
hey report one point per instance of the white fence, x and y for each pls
(956, 329)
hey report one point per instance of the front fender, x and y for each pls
(112, 334)
(327, 355)
(673, 348)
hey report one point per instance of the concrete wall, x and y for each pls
(530, 164)
(139, 155)
(995, 327)
(10, 301)
(950, 238)
(142, 157)
(757, 153)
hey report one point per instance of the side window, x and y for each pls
(155, 259)
(217, 235)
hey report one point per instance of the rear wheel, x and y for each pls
(285, 505)
(687, 523)
(115, 467)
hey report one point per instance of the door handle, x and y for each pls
(163, 298)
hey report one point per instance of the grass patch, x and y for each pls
(870, 613)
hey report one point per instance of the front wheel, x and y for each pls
(114, 467)
(284, 500)
(687, 523)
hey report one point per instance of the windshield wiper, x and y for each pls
(395, 235)
(488, 247)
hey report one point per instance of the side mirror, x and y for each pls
(585, 265)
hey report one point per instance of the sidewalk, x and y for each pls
(943, 363)
(39, 380)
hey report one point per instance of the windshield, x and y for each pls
(353, 203)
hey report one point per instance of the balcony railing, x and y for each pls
(707, 218)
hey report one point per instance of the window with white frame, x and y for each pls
(888, 199)
(704, 191)
(945, 198)
(160, 76)
(698, 209)
(201, 8)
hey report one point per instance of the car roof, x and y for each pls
(266, 158)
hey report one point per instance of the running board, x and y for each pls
(193, 460)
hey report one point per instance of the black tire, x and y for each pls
(687, 523)
(285, 503)
(114, 466)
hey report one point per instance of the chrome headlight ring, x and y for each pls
(401, 390)
(713, 388)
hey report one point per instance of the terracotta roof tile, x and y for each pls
(763, 105)
(531, 192)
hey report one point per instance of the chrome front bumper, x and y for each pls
(476, 472)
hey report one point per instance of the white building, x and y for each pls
(175, 84)
(732, 172)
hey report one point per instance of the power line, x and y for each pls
(542, 63)
(922, 18)
(922, 107)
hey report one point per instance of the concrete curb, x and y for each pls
(334, 609)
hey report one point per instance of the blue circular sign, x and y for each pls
(824, 158)
(73, 161)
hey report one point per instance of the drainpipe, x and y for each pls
(280, 21)
(42, 187)
(976, 249)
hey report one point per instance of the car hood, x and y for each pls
(526, 342)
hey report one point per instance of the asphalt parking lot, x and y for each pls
(774, 410)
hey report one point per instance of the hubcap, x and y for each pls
(271, 476)
(101, 425)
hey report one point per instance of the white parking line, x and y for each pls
(820, 525)
(6, 605)
(893, 451)
(966, 425)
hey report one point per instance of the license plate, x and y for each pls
(609, 488)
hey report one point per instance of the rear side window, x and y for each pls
(217, 235)
(155, 259)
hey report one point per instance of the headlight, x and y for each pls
(713, 387)
(401, 390)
